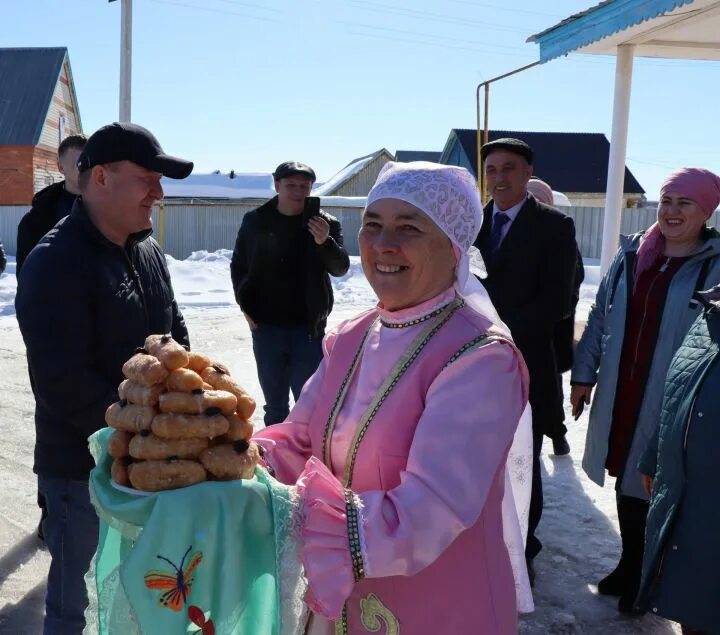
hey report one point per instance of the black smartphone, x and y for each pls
(312, 208)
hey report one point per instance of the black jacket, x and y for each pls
(564, 336)
(83, 305)
(531, 282)
(3, 260)
(255, 247)
(41, 218)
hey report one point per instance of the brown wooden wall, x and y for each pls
(16, 175)
(45, 167)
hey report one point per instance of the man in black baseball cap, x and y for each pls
(120, 170)
(89, 293)
(130, 142)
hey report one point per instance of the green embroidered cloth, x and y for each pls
(216, 558)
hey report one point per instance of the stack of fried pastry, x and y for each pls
(181, 419)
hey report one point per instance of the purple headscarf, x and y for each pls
(698, 184)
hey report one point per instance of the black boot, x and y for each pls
(613, 584)
(43, 515)
(560, 446)
(531, 571)
(632, 514)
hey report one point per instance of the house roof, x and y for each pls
(215, 185)
(28, 77)
(350, 170)
(406, 156)
(568, 161)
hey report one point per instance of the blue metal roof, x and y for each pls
(568, 161)
(605, 19)
(27, 81)
(405, 156)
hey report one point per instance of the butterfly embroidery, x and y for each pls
(176, 585)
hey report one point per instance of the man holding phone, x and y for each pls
(284, 254)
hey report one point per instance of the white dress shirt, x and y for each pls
(510, 213)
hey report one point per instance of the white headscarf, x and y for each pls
(449, 196)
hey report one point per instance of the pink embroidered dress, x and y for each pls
(398, 445)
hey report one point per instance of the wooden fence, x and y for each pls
(182, 228)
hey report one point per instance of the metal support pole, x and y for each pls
(125, 60)
(481, 140)
(618, 152)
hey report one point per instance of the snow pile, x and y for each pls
(202, 280)
(8, 287)
(588, 290)
(353, 292)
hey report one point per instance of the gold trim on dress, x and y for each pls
(341, 624)
(340, 399)
(403, 364)
(475, 344)
(372, 610)
(353, 530)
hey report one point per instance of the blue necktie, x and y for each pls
(498, 223)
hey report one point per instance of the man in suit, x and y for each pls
(531, 255)
(564, 337)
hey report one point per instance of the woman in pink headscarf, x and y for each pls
(398, 443)
(541, 191)
(643, 309)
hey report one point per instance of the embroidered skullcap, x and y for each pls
(446, 193)
(698, 184)
(541, 191)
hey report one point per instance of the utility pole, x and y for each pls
(125, 59)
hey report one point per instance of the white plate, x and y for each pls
(130, 490)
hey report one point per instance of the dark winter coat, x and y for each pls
(564, 336)
(3, 260)
(256, 246)
(84, 305)
(531, 281)
(48, 207)
(681, 569)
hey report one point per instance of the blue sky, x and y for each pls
(247, 84)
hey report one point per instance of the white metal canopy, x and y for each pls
(680, 29)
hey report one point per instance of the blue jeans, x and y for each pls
(286, 357)
(71, 533)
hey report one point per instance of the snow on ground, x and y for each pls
(8, 286)
(588, 289)
(579, 526)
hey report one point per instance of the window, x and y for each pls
(62, 126)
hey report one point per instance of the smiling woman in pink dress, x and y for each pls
(398, 443)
